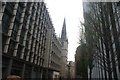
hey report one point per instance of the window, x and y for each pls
(30, 23)
(27, 43)
(25, 54)
(19, 51)
(33, 10)
(11, 47)
(39, 49)
(19, 12)
(32, 42)
(31, 46)
(118, 3)
(33, 7)
(21, 4)
(30, 56)
(4, 38)
(37, 32)
(30, 26)
(28, 6)
(22, 35)
(34, 58)
(41, 62)
(25, 19)
(10, 7)
(34, 29)
(6, 21)
(36, 17)
(15, 30)
(36, 46)
(27, 40)
(38, 59)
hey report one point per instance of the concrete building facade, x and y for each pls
(30, 47)
(53, 55)
(24, 35)
(57, 53)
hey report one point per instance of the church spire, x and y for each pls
(64, 33)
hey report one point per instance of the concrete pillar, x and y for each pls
(32, 72)
(23, 70)
(9, 67)
(41, 73)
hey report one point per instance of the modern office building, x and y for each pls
(30, 48)
(24, 30)
(106, 60)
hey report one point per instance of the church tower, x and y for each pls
(64, 38)
(64, 41)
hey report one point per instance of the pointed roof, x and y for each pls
(64, 33)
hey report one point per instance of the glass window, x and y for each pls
(34, 58)
(118, 3)
(22, 35)
(15, 30)
(4, 38)
(37, 59)
(21, 4)
(11, 47)
(28, 6)
(19, 51)
(6, 21)
(36, 17)
(25, 54)
(37, 32)
(25, 19)
(10, 6)
(32, 42)
(30, 56)
(27, 40)
(33, 10)
(19, 12)
(30, 24)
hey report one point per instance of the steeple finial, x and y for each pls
(64, 33)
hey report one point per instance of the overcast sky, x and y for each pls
(72, 11)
